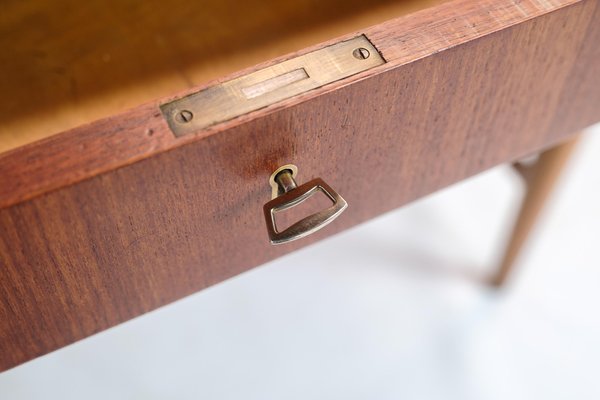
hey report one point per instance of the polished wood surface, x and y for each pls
(139, 133)
(66, 62)
(540, 177)
(117, 218)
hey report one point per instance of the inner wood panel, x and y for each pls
(67, 62)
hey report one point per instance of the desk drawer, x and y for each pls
(115, 218)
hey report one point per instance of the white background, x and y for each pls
(387, 310)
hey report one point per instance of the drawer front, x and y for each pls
(98, 240)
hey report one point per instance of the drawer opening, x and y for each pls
(66, 63)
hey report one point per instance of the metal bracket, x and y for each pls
(269, 85)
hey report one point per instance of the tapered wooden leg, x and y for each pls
(540, 178)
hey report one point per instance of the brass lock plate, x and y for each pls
(259, 89)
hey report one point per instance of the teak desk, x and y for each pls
(113, 203)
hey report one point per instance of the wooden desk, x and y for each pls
(116, 217)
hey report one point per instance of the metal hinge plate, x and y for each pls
(267, 86)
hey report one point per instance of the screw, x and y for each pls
(184, 116)
(361, 53)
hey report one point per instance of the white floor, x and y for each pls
(384, 311)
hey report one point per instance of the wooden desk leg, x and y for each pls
(540, 178)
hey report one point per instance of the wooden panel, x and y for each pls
(67, 62)
(122, 139)
(79, 258)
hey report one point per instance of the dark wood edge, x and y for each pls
(123, 139)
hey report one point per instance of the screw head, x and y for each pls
(361, 53)
(184, 116)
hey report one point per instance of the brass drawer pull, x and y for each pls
(287, 194)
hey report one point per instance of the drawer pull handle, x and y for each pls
(287, 194)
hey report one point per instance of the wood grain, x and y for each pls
(540, 179)
(112, 232)
(128, 137)
(66, 62)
